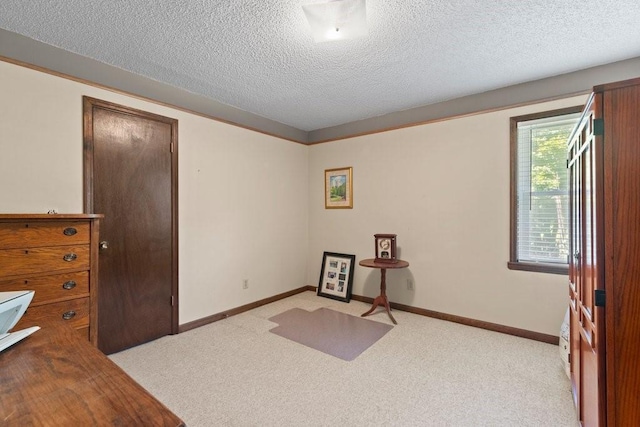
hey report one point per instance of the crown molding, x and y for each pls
(27, 52)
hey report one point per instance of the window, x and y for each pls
(540, 190)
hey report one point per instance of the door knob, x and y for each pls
(104, 245)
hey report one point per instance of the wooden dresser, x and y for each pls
(604, 267)
(57, 257)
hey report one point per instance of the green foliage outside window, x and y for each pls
(549, 193)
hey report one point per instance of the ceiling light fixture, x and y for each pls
(337, 20)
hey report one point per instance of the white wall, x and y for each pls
(443, 188)
(251, 206)
(242, 195)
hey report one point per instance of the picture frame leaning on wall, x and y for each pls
(336, 276)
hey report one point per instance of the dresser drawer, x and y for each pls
(15, 262)
(73, 312)
(25, 234)
(52, 288)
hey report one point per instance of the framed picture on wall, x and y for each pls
(338, 188)
(336, 276)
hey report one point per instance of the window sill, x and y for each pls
(539, 267)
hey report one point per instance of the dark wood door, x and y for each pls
(575, 288)
(586, 276)
(131, 178)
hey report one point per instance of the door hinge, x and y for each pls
(599, 297)
(598, 127)
(172, 301)
(569, 357)
(171, 147)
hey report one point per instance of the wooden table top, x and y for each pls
(371, 262)
(54, 377)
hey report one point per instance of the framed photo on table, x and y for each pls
(336, 276)
(338, 188)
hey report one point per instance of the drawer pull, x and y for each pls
(70, 257)
(68, 315)
(69, 285)
(70, 231)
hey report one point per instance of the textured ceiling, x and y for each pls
(259, 56)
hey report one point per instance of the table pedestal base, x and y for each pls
(383, 301)
(382, 298)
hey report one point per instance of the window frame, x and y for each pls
(514, 264)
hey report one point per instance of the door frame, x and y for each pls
(89, 104)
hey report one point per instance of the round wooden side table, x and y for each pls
(382, 298)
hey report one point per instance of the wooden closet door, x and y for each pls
(575, 282)
(575, 288)
(587, 318)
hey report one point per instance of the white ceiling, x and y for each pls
(259, 56)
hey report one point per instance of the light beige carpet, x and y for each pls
(423, 372)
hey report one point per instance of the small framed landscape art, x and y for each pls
(338, 188)
(336, 276)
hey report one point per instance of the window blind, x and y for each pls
(542, 187)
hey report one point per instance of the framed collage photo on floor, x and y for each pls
(336, 276)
